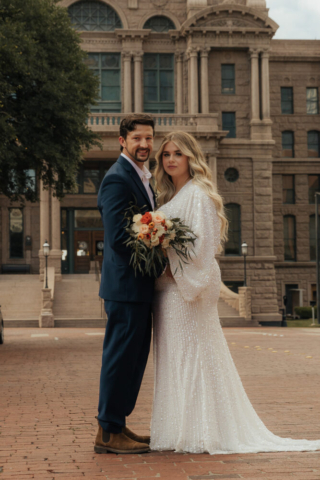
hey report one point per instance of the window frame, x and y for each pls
(310, 196)
(171, 25)
(106, 106)
(238, 232)
(232, 129)
(312, 238)
(293, 189)
(225, 79)
(158, 106)
(312, 102)
(101, 165)
(316, 144)
(291, 132)
(22, 234)
(286, 259)
(108, 9)
(287, 102)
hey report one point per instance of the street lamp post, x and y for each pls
(318, 253)
(244, 251)
(46, 250)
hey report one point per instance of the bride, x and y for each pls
(200, 404)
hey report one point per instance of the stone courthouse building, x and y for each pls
(211, 68)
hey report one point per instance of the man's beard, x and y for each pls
(135, 155)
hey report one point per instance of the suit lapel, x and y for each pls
(135, 177)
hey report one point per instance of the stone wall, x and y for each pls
(240, 102)
(299, 75)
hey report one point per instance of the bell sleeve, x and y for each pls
(197, 275)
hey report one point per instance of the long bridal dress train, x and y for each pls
(200, 404)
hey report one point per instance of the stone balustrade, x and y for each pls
(200, 124)
(240, 301)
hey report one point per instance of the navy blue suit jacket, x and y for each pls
(118, 281)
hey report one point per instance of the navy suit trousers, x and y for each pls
(125, 353)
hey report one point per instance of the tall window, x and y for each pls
(229, 123)
(228, 85)
(312, 101)
(314, 187)
(289, 233)
(288, 144)
(90, 176)
(94, 16)
(16, 232)
(107, 67)
(314, 144)
(158, 83)
(159, 24)
(288, 193)
(312, 237)
(233, 245)
(286, 100)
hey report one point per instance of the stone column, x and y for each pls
(127, 84)
(212, 163)
(137, 58)
(179, 67)
(193, 81)
(204, 80)
(255, 90)
(265, 80)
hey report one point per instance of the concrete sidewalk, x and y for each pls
(49, 391)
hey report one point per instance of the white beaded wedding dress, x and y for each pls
(200, 404)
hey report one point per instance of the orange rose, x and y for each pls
(140, 236)
(146, 218)
(151, 226)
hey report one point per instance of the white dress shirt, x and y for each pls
(144, 175)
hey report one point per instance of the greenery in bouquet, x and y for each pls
(150, 234)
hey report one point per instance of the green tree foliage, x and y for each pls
(45, 94)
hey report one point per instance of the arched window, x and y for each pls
(94, 16)
(159, 24)
(288, 144)
(312, 237)
(233, 245)
(314, 144)
(289, 236)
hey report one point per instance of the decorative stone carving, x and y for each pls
(159, 3)
(227, 21)
(133, 4)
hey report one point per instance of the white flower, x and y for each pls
(137, 218)
(135, 228)
(166, 243)
(154, 240)
(169, 224)
(172, 235)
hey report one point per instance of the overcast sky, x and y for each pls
(298, 19)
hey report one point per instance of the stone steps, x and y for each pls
(76, 296)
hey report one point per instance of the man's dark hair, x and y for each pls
(129, 123)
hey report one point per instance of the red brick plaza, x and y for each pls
(49, 392)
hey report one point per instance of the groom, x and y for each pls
(127, 297)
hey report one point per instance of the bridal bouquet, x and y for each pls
(150, 235)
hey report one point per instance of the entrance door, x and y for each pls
(88, 245)
(289, 294)
(97, 246)
(82, 251)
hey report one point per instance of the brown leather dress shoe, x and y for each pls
(117, 443)
(135, 437)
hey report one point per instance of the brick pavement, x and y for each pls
(49, 392)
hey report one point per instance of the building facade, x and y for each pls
(211, 68)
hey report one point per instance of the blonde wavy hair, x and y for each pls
(199, 172)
